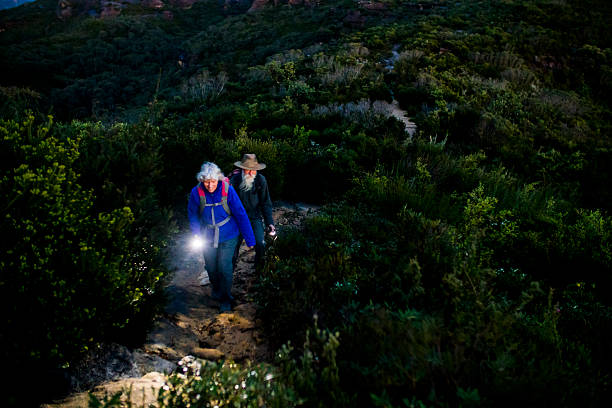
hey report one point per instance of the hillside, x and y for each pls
(461, 152)
(5, 4)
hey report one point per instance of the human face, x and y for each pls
(251, 173)
(210, 184)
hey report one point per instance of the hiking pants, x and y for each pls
(260, 245)
(220, 268)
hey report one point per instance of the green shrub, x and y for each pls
(309, 378)
(314, 375)
(202, 384)
(70, 277)
(14, 101)
(448, 313)
(123, 166)
(391, 352)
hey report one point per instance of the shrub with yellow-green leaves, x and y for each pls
(69, 278)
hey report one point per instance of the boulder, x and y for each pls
(257, 5)
(372, 5)
(183, 4)
(153, 4)
(69, 8)
(110, 9)
(211, 354)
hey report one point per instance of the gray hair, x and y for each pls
(209, 171)
(247, 182)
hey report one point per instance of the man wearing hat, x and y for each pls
(252, 188)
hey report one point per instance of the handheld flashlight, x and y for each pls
(197, 243)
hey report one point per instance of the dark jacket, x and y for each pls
(256, 201)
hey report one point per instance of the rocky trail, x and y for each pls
(401, 115)
(191, 325)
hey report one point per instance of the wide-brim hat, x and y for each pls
(249, 162)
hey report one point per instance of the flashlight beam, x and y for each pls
(197, 243)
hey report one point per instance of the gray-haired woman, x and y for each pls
(217, 216)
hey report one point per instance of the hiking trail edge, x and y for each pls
(190, 325)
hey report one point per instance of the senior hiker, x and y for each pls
(252, 189)
(217, 216)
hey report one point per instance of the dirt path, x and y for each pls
(191, 325)
(400, 114)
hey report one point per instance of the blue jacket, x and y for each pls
(238, 224)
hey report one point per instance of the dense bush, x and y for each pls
(452, 311)
(466, 265)
(71, 275)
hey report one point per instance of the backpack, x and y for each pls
(225, 184)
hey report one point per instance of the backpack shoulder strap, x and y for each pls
(202, 198)
(224, 194)
(226, 184)
(235, 179)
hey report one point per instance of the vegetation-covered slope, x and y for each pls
(469, 264)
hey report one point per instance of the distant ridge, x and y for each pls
(7, 4)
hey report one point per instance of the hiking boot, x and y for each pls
(225, 307)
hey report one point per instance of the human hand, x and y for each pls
(250, 247)
(271, 230)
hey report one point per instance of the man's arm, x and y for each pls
(265, 202)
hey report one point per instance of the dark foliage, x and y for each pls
(468, 264)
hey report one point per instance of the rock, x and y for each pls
(153, 4)
(183, 4)
(148, 363)
(143, 392)
(307, 207)
(165, 352)
(208, 353)
(257, 5)
(110, 9)
(107, 363)
(372, 5)
(69, 8)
